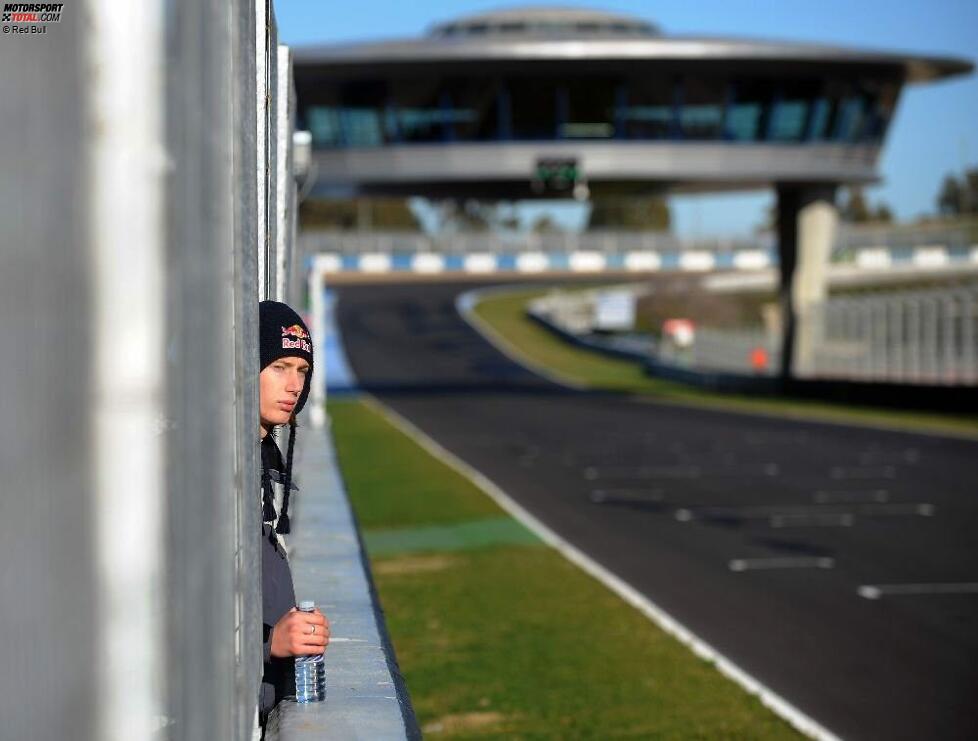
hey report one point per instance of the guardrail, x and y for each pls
(379, 254)
(533, 262)
(495, 243)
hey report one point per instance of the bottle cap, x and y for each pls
(307, 605)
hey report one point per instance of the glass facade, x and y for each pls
(701, 105)
(652, 107)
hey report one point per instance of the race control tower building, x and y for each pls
(549, 101)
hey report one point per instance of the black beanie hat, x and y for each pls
(283, 334)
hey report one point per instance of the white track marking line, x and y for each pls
(641, 472)
(804, 723)
(922, 509)
(766, 564)
(876, 591)
(877, 457)
(770, 511)
(829, 520)
(626, 495)
(681, 471)
(862, 472)
(879, 496)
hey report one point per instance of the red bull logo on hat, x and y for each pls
(297, 330)
(301, 341)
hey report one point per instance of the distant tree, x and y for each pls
(949, 199)
(506, 217)
(883, 214)
(544, 224)
(471, 215)
(476, 216)
(959, 196)
(391, 214)
(855, 208)
(639, 214)
(770, 221)
(466, 216)
(971, 189)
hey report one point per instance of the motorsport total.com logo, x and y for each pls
(29, 17)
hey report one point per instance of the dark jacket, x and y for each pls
(278, 593)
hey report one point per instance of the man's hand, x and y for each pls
(300, 634)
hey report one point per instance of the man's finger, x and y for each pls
(310, 626)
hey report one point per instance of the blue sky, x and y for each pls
(936, 126)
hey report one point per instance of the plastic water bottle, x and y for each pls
(310, 673)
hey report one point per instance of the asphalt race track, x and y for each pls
(755, 533)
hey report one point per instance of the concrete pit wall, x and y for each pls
(147, 205)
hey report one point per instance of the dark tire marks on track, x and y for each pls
(897, 668)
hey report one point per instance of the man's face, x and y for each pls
(280, 385)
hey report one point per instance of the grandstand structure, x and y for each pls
(480, 107)
(554, 102)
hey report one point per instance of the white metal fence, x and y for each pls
(921, 336)
(607, 242)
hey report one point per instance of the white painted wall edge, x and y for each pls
(127, 164)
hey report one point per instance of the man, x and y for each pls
(286, 375)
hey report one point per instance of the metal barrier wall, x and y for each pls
(133, 230)
(249, 209)
(47, 494)
(147, 203)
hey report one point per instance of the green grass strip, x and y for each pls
(505, 316)
(460, 537)
(395, 486)
(510, 641)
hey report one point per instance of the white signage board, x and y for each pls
(614, 310)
